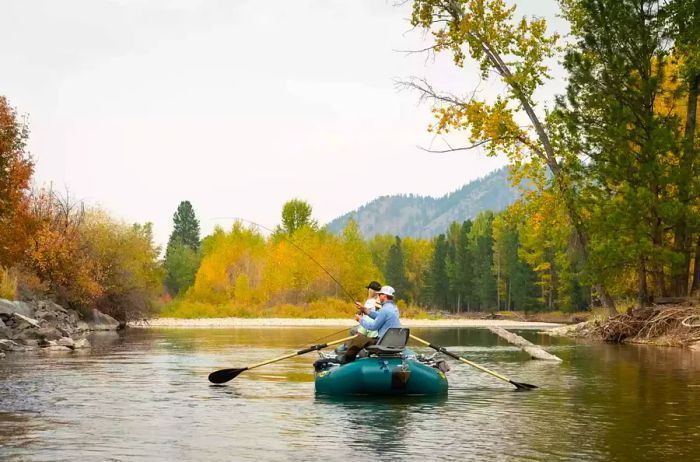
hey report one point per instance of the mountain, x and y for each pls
(424, 216)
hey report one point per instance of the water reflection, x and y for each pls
(143, 395)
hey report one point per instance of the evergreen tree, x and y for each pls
(180, 268)
(182, 253)
(523, 288)
(396, 269)
(618, 67)
(438, 284)
(481, 240)
(185, 227)
(459, 266)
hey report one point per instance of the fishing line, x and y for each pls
(305, 253)
(350, 297)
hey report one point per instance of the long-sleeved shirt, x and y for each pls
(372, 304)
(384, 319)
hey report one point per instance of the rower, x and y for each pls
(381, 320)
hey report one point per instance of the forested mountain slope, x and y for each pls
(423, 216)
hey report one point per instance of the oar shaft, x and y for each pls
(465, 361)
(270, 361)
(301, 352)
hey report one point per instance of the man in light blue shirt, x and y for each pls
(384, 319)
(381, 320)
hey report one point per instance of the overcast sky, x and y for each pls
(236, 106)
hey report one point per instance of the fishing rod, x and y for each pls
(305, 253)
(350, 297)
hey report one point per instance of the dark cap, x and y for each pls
(374, 285)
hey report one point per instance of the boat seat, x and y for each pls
(392, 342)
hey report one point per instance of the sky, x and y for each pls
(234, 105)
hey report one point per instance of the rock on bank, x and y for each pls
(26, 326)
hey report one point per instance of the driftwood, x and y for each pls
(31, 321)
(667, 325)
(528, 347)
(671, 301)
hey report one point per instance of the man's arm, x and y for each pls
(376, 324)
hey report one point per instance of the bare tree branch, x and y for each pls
(429, 93)
(451, 149)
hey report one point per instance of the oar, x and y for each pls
(224, 375)
(520, 386)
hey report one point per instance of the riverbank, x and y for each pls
(675, 325)
(340, 322)
(36, 325)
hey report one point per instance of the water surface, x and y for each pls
(144, 395)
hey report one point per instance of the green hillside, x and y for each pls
(424, 216)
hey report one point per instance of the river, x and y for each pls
(143, 395)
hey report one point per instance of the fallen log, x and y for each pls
(26, 319)
(530, 348)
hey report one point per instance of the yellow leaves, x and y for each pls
(8, 283)
(492, 122)
(244, 269)
(673, 97)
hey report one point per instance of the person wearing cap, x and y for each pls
(378, 320)
(363, 337)
(372, 304)
(384, 319)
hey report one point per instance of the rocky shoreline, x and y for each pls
(29, 326)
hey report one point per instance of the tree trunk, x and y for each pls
(643, 295)
(528, 347)
(657, 274)
(498, 282)
(509, 291)
(696, 270)
(688, 155)
(548, 156)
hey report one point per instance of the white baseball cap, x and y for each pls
(387, 290)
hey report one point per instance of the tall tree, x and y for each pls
(459, 266)
(182, 253)
(438, 284)
(16, 168)
(481, 240)
(396, 269)
(684, 29)
(505, 254)
(180, 267)
(185, 226)
(617, 66)
(517, 52)
(296, 214)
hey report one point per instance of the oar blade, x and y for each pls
(523, 386)
(224, 375)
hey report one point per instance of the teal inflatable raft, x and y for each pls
(388, 370)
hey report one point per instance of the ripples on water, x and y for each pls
(143, 395)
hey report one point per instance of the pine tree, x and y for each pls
(618, 65)
(186, 227)
(438, 284)
(396, 269)
(180, 267)
(459, 266)
(481, 240)
(182, 254)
